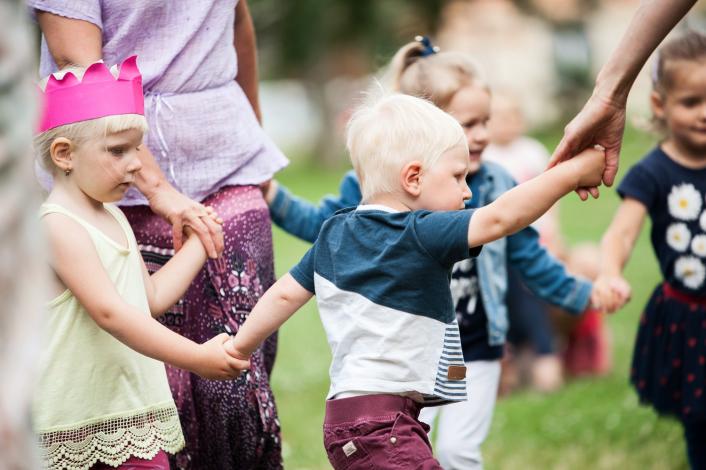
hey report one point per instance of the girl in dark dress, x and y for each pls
(668, 185)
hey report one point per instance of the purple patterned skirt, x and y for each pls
(231, 424)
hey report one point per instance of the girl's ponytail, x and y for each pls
(417, 69)
(403, 58)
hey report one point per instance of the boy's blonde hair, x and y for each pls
(436, 77)
(385, 134)
(81, 132)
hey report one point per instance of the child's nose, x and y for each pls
(467, 194)
(135, 165)
(480, 134)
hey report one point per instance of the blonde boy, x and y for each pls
(381, 276)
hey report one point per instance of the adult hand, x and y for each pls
(600, 122)
(180, 211)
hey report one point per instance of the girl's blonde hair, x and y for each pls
(436, 77)
(385, 134)
(81, 132)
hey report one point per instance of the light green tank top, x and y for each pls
(97, 399)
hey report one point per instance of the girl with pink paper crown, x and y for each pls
(103, 399)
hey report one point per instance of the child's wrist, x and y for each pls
(236, 352)
(271, 192)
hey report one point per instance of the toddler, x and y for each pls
(479, 287)
(381, 275)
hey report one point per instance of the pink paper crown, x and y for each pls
(98, 94)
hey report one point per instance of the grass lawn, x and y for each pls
(589, 424)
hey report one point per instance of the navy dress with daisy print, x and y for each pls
(669, 361)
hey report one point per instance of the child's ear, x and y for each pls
(411, 178)
(60, 151)
(657, 104)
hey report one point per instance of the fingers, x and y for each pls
(238, 365)
(177, 232)
(611, 165)
(582, 193)
(205, 234)
(561, 153)
(215, 236)
(211, 212)
(594, 192)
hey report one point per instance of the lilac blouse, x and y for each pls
(203, 131)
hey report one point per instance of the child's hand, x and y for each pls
(610, 293)
(231, 348)
(269, 190)
(215, 362)
(589, 165)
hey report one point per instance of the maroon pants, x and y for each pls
(377, 432)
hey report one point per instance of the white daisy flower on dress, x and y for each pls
(690, 271)
(698, 245)
(684, 202)
(678, 237)
(702, 221)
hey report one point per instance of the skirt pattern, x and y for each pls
(227, 424)
(669, 361)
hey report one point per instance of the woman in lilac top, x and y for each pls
(205, 144)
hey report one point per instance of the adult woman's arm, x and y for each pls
(78, 42)
(602, 119)
(246, 49)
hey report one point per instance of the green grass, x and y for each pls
(589, 424)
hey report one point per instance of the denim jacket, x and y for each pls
(545, 276)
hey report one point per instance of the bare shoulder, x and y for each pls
(66, 234)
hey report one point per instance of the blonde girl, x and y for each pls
(103, 398)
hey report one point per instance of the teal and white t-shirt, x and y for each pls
(381, 280)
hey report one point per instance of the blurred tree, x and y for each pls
(298, 37)
(317, 40)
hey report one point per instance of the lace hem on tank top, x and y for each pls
(113, 440)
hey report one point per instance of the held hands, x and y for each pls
(182, 212)
(231, 348)
(215, 218)
(216, 363)
(610, 293)
(600, 122)
(589, 166)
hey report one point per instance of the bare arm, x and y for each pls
(76, 262)
(522, 205)
(77, 42)
(610, 288)
(166, 286)
(275, 307)
(602, 120)
(619, 240)
(246, 50)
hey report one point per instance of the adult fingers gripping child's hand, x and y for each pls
(600, 122)
(218, 237)
(180, 211)
(215, 362)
